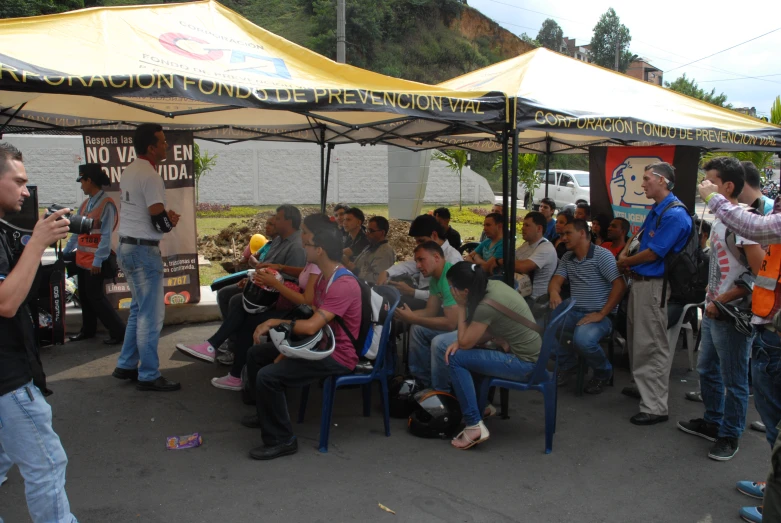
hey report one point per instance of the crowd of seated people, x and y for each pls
(443, 303)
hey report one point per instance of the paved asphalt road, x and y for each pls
(602, 468)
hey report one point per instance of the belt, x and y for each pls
(139, 241)
(640, 277)
(767, 326)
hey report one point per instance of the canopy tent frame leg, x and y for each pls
(505, 191)
(324, 202)
(547, 162)
(509, 241)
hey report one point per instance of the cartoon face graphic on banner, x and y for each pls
(624, 179)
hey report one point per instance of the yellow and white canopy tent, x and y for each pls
(200, 66)
(562, 105)
(565, 105)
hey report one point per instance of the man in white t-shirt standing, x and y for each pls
(143, 219)
(724, 352)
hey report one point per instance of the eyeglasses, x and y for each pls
(310, 244)
(372, 231)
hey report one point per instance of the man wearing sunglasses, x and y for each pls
(378, 256)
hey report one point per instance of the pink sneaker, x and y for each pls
(203, 351)
(227, 382)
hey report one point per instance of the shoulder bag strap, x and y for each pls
(513, 315)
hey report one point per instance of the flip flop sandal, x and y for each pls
(489, 411)
(484, 435)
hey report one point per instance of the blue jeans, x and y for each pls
(143, 268)
(427, 356)
(723, 369)
(467, 365)
(766, 379)
(28, 440)
(586, 342)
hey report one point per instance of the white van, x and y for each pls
(565, 186)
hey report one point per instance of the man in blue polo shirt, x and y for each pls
(597, 287)
(651, 356)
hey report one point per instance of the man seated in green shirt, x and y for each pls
(489, 252)
(433, 325)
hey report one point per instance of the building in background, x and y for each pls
(643, 70)
(578, 52)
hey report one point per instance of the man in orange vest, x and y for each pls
(766, 349)
(92, 250)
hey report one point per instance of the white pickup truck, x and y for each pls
(565, 186)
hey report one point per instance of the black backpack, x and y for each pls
(682, 268)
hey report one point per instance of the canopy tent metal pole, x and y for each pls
(322, 170)
(324, 202)
(509, 241)
(505, 189)
(11, 118)
(547, 162)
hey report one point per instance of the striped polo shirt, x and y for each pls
(590, 279)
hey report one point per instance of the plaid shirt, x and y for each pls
(765, 230)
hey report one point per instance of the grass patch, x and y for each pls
(209, 273)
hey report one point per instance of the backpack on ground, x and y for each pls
(374, 311)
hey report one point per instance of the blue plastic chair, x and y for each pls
(540, 379)
(379, 373)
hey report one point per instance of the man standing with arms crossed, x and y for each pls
(651, 356)
(27, 438)
(143, 220)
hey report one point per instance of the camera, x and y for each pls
(78, 224)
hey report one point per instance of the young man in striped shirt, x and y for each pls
(597, 287)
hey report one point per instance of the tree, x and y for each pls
(689, 87)
(762, 159)
(527, 164)
(550, 35)
(456, 161)
(529, 40)
(202, 164)
(610, 34)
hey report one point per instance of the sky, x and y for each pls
(670, 34)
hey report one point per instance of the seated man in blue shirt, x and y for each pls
(597, 287)
(548, 208)
(651, 356)
(490, 250)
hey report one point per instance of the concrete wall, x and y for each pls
(257, 173)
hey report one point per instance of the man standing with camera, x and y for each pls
(143, 221)
(27, 438)
(93, 251)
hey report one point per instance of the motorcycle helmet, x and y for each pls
(258, 298)
(436, 415)
(740, 319)
(401, 401)
(316, 347)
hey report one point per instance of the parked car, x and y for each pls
(565, 186)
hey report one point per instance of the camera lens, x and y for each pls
(80, 224)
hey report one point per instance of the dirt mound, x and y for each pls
(227, 246)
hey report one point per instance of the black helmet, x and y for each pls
(258, 298)
(402, 391)
(436, 415)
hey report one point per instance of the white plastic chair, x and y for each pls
(674, 332)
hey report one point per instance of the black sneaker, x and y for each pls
(700, 427)
(724, 449)
(565, 375)
(631, 391)
(595, 386)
